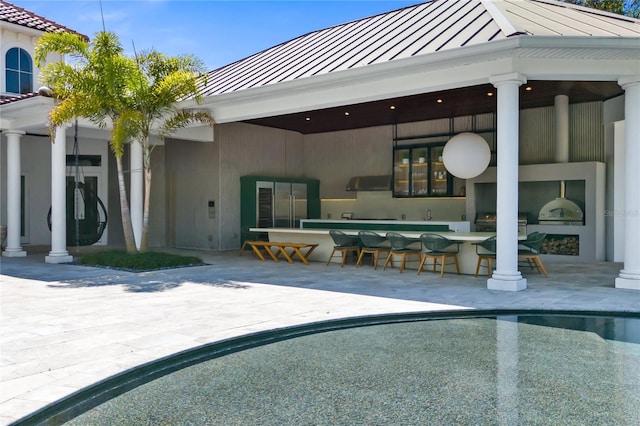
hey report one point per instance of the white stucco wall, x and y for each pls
(24, 39)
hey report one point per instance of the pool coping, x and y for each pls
(81, 401)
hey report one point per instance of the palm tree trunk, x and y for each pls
(129, 240)
(144, 241)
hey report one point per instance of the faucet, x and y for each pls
(428, 214)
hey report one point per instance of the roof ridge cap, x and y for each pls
(501, 20)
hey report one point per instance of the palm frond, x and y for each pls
(64, 43)
(184, 118)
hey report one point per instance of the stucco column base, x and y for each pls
(58, 258)
(507, 282)
(628, 280)
(14, 253)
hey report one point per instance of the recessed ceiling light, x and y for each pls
(439, 101)
(346, 113)
(489, 93)
(308, 118)
(528, 88)
(392, 107)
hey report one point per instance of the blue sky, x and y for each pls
(217, 32)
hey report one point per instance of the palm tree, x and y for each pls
(162, 82)
(95, 85)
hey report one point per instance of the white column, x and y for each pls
(136, 190)
(506, 276)
(59, 253)
(561, 109)
(13, 248)
(629, 276)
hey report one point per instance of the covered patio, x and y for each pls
(297, 108)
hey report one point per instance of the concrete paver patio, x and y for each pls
(65, 327)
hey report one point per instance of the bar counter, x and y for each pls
(467, 257)
(386, 225)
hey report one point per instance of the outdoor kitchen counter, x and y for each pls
(467, 257)
(386, 225)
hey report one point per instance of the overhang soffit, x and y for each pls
(579, 53)
(25, 114)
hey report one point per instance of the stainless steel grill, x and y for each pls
(486, 222)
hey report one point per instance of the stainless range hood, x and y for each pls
(369, 183)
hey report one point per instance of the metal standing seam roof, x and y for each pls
(19, 16)
(422, 29)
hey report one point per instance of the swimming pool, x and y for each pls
(498, 367)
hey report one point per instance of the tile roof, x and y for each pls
(8, 99)
(425, 28)
(19, 16)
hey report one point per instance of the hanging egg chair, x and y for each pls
(86, 214)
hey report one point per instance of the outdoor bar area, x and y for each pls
(317, 232)
(520, 127)
(467, 258)
(449, 193)
(439, 185)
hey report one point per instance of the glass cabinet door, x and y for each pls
(419, 172)
(439, 175)
(401, 170)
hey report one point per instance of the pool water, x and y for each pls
(505, 369)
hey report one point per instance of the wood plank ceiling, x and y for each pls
(428, 106)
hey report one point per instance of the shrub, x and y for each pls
(138, 262)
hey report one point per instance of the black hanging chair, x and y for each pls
(86, 214)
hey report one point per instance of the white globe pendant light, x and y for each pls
(466, 155)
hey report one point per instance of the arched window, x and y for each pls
(19, 71)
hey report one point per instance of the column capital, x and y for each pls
(64, 126)
(13, 132)
(514, 77)
(629, 80)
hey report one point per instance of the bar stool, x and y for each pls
(400, 246)
(486, 251)
(344, 244)
(374, 244)
(436, 247)
(531, 252)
